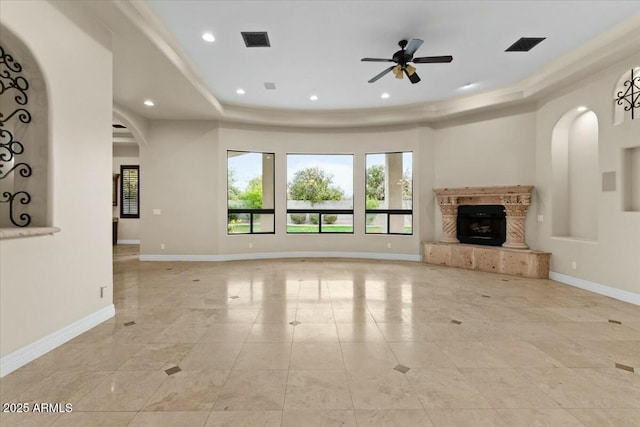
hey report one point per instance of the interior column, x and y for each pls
(393, 190)
(267, 221)
(516, 208)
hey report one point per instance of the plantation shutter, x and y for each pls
(130, 192)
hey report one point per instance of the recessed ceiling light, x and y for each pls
(582, 109)
(208, 37)
(240, 91)
(313, 97)
(384, 95)
(468, 86)
(149, 103)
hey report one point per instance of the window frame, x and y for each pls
(252, 211)
(316, 211)
(123, 168)
(388, 212)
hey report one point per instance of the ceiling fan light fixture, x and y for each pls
(397, 71)
(411, 70)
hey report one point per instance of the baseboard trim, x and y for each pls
(128, 242)
(274, 255)
(30, 352)
(608, 291)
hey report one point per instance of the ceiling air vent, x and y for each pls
(269, 85)
(255, 39)
(525, 44)
(118, 126)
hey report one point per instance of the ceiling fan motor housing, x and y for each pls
(401, 57)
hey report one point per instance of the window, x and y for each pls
(250, 193)
(389, 193)
(130, 191)
(319, 193)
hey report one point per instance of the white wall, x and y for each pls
(128, 228)
(50, 282)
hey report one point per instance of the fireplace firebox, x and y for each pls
(482, 224)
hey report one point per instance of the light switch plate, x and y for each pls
(157, 212)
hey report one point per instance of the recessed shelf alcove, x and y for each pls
(631, 179)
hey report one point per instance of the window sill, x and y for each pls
(15, 233)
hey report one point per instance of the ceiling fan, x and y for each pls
(402, 59)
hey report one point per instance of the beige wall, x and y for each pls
(490, 149)
(49, 282)
(614, 259)
(184, 171)
(179, 175)
(584, 177)
(128, 228)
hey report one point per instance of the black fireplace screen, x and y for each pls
(482, 224)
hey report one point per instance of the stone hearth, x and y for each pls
(515, 262)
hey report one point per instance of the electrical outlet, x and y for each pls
(157, 212)
(540, 218)
(388, 245)
(161, 245)
(574, 265)
(250, 245)
(102, 288)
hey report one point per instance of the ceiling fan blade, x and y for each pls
(376, 60)
(376, 78)
(412, 46)
(432, 59)
(413, 78)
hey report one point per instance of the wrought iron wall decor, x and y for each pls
(13, 83)
(630, 96)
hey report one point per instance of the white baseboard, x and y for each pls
(618, 294)
(129, 242)
(273, 255)
(30, 352)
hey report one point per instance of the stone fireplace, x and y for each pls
(515, 199)
(490, 222)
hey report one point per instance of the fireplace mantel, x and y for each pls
(515, 198)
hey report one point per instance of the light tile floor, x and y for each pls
(219, 344)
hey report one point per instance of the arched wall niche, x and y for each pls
(575, 175)
(25, 168)
(621, 115)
